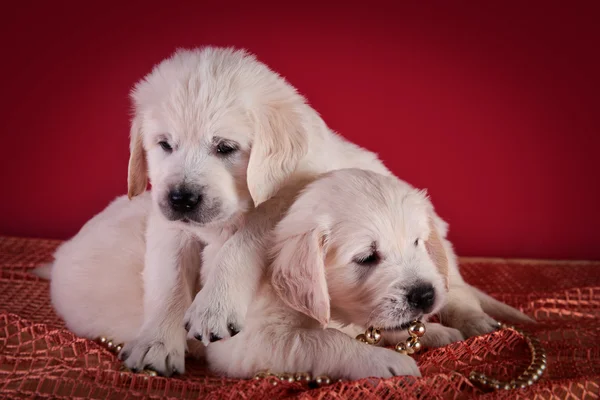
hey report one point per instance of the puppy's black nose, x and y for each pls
(422, 297)
(183, 200)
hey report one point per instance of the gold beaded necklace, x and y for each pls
(412, 345)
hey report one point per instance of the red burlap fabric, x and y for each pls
(39, 358)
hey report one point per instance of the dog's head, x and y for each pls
(216, 132)
(362, 248)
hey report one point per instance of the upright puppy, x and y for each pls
(355, 247)
(216, 133)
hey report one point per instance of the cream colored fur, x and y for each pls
(314, 283)
(193, 102)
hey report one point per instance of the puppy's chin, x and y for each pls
(208, 216)
(201, 217)
(397, 323)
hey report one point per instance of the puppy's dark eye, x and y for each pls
(225, 148)
(165, 146)
(368, 260)
(416, 242)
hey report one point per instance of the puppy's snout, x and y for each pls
(422, 297)
(183, 200)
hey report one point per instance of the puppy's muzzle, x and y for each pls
(184, 200)
(421, 297)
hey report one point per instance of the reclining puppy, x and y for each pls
(355, 247)
(217, 133)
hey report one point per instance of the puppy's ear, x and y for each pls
(299, 274)
(137, 174)
(435, 249)
(280, 142)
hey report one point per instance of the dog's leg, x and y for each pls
(317, 351)
(219, 309)
(231, 276)
(468, 309)
(160, 344)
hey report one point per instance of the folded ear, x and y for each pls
(280, 142)
(299, 274)
(137, 174)
(435, 249)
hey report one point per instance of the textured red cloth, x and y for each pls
(39, 358)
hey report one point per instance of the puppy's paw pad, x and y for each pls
(212, 317)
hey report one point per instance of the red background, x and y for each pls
(493, 108)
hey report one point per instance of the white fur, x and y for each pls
(96, 281)
(193, 101)
(314, 276)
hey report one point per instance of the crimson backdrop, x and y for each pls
(493, 108)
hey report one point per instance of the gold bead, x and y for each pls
(109, 344)
(118, 348)
(303, 377)
(538, 364)
(532, 370)
(103, 340)
(401, 348)
(413, 345)
(520, 383)
(496, 386)
(362, 338)
(287, 377)
(322, 380)
(373, 335)
(416, 329)
(261, 375)
(507, 386)
(539, 372)
(150, 372)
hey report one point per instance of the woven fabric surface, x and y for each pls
(39, 358)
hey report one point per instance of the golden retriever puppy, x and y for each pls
(217, 133)
(355, 247)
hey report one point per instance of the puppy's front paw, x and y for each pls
(214, 316)
(474, 324)
(438, 336)
(383, 363)
(164, 354)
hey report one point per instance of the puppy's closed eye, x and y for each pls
(165, 146)
(368, 259)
